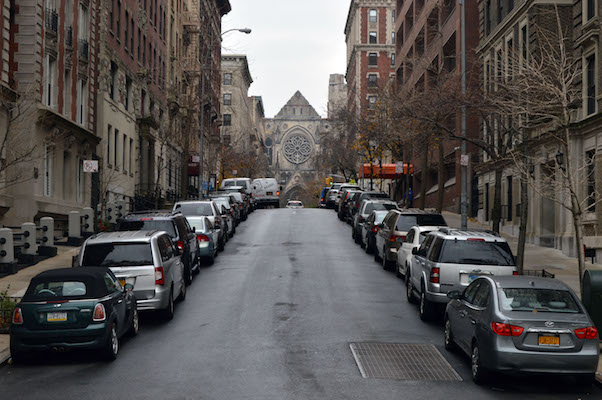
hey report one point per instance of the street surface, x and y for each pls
(273, 319)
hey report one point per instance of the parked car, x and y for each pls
(229, 216)
(208, 237)
(394, 228)
(365, 210)
(242, 198)
(266, 192)
(148, 260)
(347, 195)
(245, 183)
(332, 195)
(359, 197)
(73, 308)
(323, 198)
(178, 229)
(414, 239)
(343, 189)
(450, 259)
(370, 229)
(522, 324)
(294, 204)
(207, 208)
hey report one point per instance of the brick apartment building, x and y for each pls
(428, 43)
(370, 39)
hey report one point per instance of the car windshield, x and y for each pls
(117, 255)
(538, 300)
(194, 208)
(241, 183)
(405, 222)
(149, 224)
(379, 206)
(230, 183)
(52, 289)
(477, 252)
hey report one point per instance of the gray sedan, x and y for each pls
(522, 324)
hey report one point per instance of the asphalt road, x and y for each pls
(272, 319)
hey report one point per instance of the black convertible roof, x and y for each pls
(92, 277)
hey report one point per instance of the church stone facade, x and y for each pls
(293, 140)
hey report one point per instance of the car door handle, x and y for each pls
(119, 301)
(463, 313)
(472, 321)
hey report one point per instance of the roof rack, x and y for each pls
(150, 212)
(448, 231)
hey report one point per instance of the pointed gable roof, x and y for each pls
(297, 108)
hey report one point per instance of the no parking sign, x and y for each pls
(90, 165)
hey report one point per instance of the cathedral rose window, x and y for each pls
(297, 149)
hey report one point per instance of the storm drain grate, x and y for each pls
(415, 362)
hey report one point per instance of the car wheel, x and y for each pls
(425, 307)
(448, 337)
(135, 326)
(410, 290)
(385, 263)
(479, 374)
(168, 313)
(183, 290)
(112, 345)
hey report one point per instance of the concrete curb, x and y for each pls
(4, 356)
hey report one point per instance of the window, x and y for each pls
(372, 59)
(488, 16)
(542, 300)
(591, 83)
(109, 141)
(111, 12)
(132, 36)
(126, 30)
(393, 37)
(500, 11)
(113, 82)
(227, 79)
(227, 99)
(227, 119)
(476, 253)
(128, 92)
(124, 153)
(590, 162)
(116, 148)
(139, 41)
(48, 169)
(590, 11)
(131, 167)
(118, 27)
(509, 198)
(372, 80)
(144, 50)
(524, 50)
(82, 101)
(481, 298)
(373, 16)
(392, 58)
(435, 250)
(67, 96)
(117, 254)
(372, 38)
(80, 181)
(49, 83)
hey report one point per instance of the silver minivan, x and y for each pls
(148, 260)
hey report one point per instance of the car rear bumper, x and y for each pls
(437, 297)
(206, 251)
(91, 337)
(514, 360)
(159, 302)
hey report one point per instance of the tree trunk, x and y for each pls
(579, 248)
(524, 210)
(441, 178)
(496, 212)
(184, 173)
(425, 159)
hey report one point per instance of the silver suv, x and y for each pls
(450, 259)
(148, 260)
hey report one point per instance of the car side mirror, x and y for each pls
(454, 295)
(193, 229)
(415, 250)
(128, 287)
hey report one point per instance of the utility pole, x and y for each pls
(463, 158)
(202, 133)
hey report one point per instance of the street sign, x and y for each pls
(464, 160)
(90, 165)
(195, 159)
(234, 172)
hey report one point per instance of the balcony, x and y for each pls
(83, 50)
(51, 21)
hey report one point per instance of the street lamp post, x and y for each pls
(202, 110)
(463, 159)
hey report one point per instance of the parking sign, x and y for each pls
(90, 165)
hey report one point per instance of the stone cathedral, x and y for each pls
(293, 139)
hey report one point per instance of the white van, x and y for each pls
(244, 182)
(266, 192)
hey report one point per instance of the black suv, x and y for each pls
(178, 228)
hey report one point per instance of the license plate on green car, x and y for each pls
(56, 316)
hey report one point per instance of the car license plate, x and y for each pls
(549, 340)
(56, 316)
(269, 193)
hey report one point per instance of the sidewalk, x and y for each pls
(17, 284)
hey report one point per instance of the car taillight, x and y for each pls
(396, 238)
(321, 199)
(506, 329)
(375, 229)
(17, 316)
(514, 272)
(587, 333)
(202, 238)
(99, 313)
(159, 276)
(180, 245)
(277, 193)
(435, 275)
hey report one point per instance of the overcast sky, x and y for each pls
(295, 45)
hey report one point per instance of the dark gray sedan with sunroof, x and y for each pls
(522, 324)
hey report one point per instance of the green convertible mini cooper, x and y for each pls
(73, 308)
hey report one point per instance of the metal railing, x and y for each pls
(51, 20)
(83, 49)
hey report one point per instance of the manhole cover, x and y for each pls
(415, 362)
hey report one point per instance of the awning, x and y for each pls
(388, 171)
